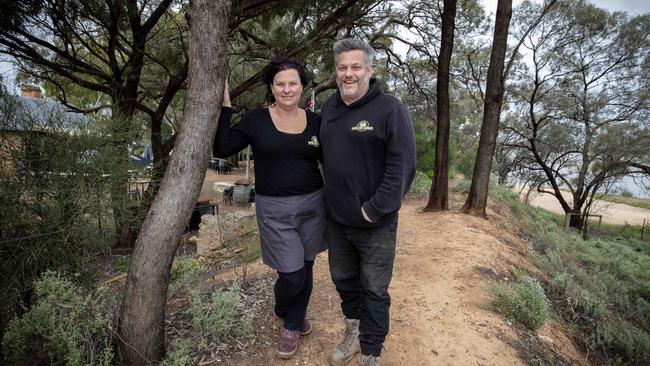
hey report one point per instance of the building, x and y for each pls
(24, 120)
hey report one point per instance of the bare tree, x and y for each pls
(585, 104)
(141, 325)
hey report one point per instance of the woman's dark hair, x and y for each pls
(275, 66)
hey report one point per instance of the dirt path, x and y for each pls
(440, 311)
(613, 213)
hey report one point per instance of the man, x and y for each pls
(368, 164)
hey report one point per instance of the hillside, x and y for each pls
(440, 313)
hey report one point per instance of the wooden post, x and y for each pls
(642, 229)
(567, 221)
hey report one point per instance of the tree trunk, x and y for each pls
(576, 219)
(141, 325)
(477, 197)
(438, 199)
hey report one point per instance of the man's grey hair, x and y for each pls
(351, 44)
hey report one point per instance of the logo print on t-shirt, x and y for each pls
(313, 141)
(362, 126)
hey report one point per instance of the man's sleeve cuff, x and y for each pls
(371, 212)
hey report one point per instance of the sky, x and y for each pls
(632, 7)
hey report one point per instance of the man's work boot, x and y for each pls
(368, 360)
(344, 352)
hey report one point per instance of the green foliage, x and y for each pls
(504, 194)
(627, 341)
(425, 142)
(420, 187)
(601, 285)
(178, 354)
(626, 232)
(65, 326)
(122, 264)
(465, 163)
(186, 270)
(523, 300)
(627, 193)
(463, 186)
(55, 188)
(509, 197)
(218, 317)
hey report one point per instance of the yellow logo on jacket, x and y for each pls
(313, 141)
(362, 126)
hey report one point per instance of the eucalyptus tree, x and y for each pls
(142, 317)
(426, 33)
(494, 89)
(438, 198)
(583, 104)
(498, 72)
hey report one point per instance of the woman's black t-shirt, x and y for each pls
(285, 164)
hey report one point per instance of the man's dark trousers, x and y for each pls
(361, 265)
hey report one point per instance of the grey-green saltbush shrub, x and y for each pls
(219, 317)
(63, 327)
(625, 339)
(185, 272)
(561, 283)
(179, 354)
(551, 262)
(523, 300)
(588, 303)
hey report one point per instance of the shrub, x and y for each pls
(64, 326)
(588, 304)
(551, 262)
(218, 317)
(508, 197)
(465, 163)
(179, 354)
(420, 187)
(561, 283)
(524, 301)
(185, 271)
(627, 341)
(463, 186)
(600, 286)
(57, 209)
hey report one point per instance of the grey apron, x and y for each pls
(291, 229)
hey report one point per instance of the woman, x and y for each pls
(288, 185)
